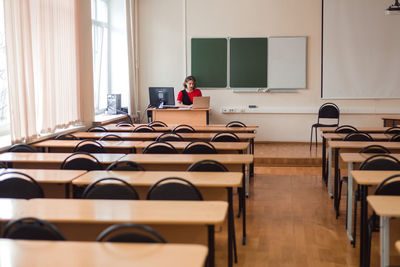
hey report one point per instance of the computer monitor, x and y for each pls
(161, 95)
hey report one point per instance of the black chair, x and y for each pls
(30, 228)
(199, 147)
(169, 136)
(358, 136)
(235, 124)
(19, 185)
(132, 233)
(183, 128)
(97, 129)
(89, 146)
(67, 136)
(395, 138)
(157, 124)
(143, 129)
(375, 149)
(21, 148)
(125, 165)
(124, 124)
(346, 129)
(328, 111)
(81, 161)
(174, 188)
(225, 137)
(392, 130)
(119, 190)
(111, 137)
(159, 147)
(207, 165)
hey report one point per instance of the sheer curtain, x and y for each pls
(41, 41)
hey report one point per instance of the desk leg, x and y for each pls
(244, 203)
(363, 225)
(324, 159)
(349, 214)
(231, 229)
(211, 246)
(330, 171)
(336, 183)
(207, 117)
(385, 240)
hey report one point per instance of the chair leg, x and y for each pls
(312, 128)
(316, 137)
(240, 201)
(355, 216)
(234, 241)
(340, 192)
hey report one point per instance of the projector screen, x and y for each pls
(360, 50)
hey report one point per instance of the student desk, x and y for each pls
(177, 221)
(361, 129)
(17, 253)
(385, 207)
(181, 116)
(37, 160)
(212, 185)
(214, 128)
(179, 162)
(55, 183)
(11, 208)
(65, 146)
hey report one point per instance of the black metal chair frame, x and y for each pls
(144, 129)
(26, 177)
(75, 156)
(184, 182)
(183, 128)
(93, 185)
(97, 129)
(88, 143)
(21, 148)
(67, 136)
(148, 149)
(111, 137)
(135, 166)
(392, 130)
(395, 138)
(124, 124)
(346, 129)
(169, 136)
(219, 137)
(129, 226)
(235, 124)
(157, 124)
(8, 228)
(188, 147)
(358, 136)
(326, 111)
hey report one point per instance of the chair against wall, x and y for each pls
(81, 161)
(346, 129)
(225, 137)
(159, 147)
(169, 136)
(144, 129)
(110, 188)
(97, 129)
(89, 146)
(199, 147)
(15, 184)
(183, 128)
(174, 188)
(235, 124)
(327, 112)
(125, 165)
(31, 228)
(157, 124)
(132, 233)
(358, 136)
(67, 136)
(111, 137)
(22, 148)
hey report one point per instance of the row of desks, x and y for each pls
(198, 128)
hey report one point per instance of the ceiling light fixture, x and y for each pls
(394, 9)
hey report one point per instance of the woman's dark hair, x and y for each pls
(190, 78)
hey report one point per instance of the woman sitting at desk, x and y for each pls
(185, 97)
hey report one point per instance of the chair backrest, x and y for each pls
(374, 149)
(89, 146)
(31, 229)
(160, 147)
(97, 129)
(392, 130)
(157, 124)
(118, 189)
(199, 147)
(395, 138)
(125, 165)
(124, 124)
(389, 187)
(174, 188)
(132, 233)
(144, 129)
(19, 185)
(67, 136)
(21, 148)
(235, 124)
(380, 162)
(169, 136)
(111, 137)
(207, 165)
(346, 129)
(81, 161)
(358, 136)
(329, 111)
(183, 128)
(225, 137)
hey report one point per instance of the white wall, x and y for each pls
(162, 60)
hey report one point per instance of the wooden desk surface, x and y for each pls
(11, 208)
(188, 158)
(148, 178)
(360, 157)
(218, 145)
(375, 136)
(27, 157)
(50, 176)
(361, 129)
(19, 253)
(199, 128)
(122, 211)
(73, 143)
(388, 206)
(360, 144)
(371, 177)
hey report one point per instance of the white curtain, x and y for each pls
(41, 42)
(133, 55)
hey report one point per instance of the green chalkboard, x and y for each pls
(248, 62)
(209, 61)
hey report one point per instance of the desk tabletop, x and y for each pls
(19, 253)
(73, 143)
(198, 128)
(371, 177)
(218, 145)
(122, 211)
(188, 158)
(388, 206)
(361, 144)
(37, 157)
(11, 208)
(49, 176)
(360, 157)
(148, 178)
(375, 136)
(361, 129)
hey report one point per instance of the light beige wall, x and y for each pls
(162, 60)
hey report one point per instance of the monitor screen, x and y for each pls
(161, 94)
